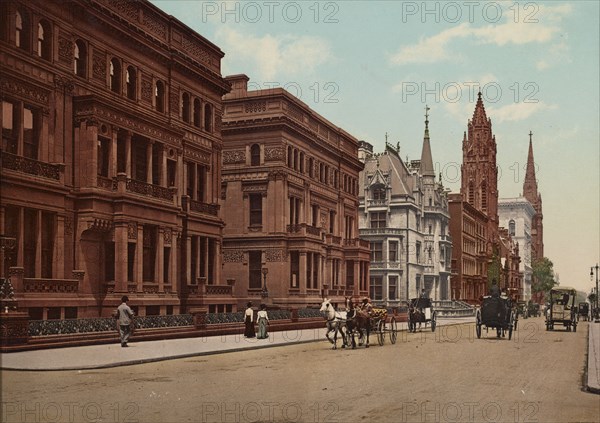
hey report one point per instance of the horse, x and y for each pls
(359, 320)
(415, 315)
(335, 322)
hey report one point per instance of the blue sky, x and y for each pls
(371, 66)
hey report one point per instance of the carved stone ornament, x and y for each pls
(234, 157)
(65, 50)
(274, 154)
(233, 256)
(132, 230)
(276, 254)
(99, 66)
(168, 234)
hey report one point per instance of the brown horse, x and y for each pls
(356, 320)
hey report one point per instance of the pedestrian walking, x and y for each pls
(263, 321)
(249, 322)
(125, 315)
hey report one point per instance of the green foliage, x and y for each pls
(543, 276)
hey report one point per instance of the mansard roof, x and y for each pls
(388, 169)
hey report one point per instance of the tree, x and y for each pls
(495, 270)
(592, 298)
(543, 276)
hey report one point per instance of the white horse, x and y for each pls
(336, 320)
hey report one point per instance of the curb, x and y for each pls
(593, 360)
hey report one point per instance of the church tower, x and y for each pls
(530, 192)
(479, 173)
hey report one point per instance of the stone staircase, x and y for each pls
(453, 308)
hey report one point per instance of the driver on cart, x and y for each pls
(366, 306)
(494, 289)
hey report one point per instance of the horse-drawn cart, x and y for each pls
(495, 313)
(420, 310)
(562, 309)
(381, 324)
(583, 311)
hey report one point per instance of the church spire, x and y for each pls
(479, 115)
(426, 168)
(530, 188)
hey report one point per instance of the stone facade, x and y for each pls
(290, 200)
(111, 157)
(404, 215)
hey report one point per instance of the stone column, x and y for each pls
(180, 178)
(173, 262)
(139, 258)
(163, 167)
(217, 262)
(58, 257)
(160, 259)
(302, 275)
(357, 274)
(121, 256)
(188, 253)
(38, 245)
(112, 166)
(149, 148)
(21, 238)
(128, 154)
(206, 258)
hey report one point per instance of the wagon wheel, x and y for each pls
(478, 323)
(433, 322)
(393, 330)
(381, 332)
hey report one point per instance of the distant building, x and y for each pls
(290, 202)
(530, 192)
(111, 155)
(404, 215)
(516, 215)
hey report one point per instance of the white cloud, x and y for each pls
(518, 111)
(536, 24)
(274, 56)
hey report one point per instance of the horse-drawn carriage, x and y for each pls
(495, 313)
(562, 309)
(354, 321)
(522, 309)
(420, 311)
(533, 309)
(583, 311)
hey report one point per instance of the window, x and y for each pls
(31, 127)
(109, 261)
(185, 107)
(295, 166)
(149, 252)
(331, 221)
(114, 81)
(80, 58)
(393, 251)
(255, 209)
(379, 192)
(44, 40)
(255, 155)
(315, 215)
(131, 261)
(131, 82)
(471, 194)
(311, 168)
(201, 181)
(301, 162)
(378, 219)
(254, 269)
(511, 227)
(10, 140)
(103, 156)
(376, 291)
(171, 172)
(159, 96)
(48, 223)
(22, 30)
(197, 113)
(376, 251)
(294, 269)
(418, 252)
(392, 288)
(484, 196)
(30, 242)
(208, 118)
(289, 156)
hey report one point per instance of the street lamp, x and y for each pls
(596, 314)
(264, 293)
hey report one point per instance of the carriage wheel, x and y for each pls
(433, 323)
(478, 324)
(381, 332)
(510, 329)
(393, 330)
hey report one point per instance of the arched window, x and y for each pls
(4, 21)
(295, 159)
(197, 113)
(80, 58)
(22, 30)
(159, 96)
(255, 155)
(511, 227)
(484, 196)
(185, 107)
(208, 113)
(471, 194)
(131, 82)
(115, 76)
(44, 40)
(301, 162)
(311, 167)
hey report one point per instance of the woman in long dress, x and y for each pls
(263, 321)
(249, 322)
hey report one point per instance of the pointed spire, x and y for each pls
(530, 189)
(479, 115)
(426, 168)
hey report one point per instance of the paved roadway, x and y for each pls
(446, 376)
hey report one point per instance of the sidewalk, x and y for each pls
(104, 356)
(593, 368)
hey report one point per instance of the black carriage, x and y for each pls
(421, 311)
(522, 309)
(533, 309)
(583, 311)
(562, 309)
(495, 313)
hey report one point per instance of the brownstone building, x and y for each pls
(111, 155)
(290, 201)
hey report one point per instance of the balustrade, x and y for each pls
(31, 166)
(35, 285)
(149, 190)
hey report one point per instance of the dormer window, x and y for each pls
(379, 192)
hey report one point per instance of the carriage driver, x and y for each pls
(366, 306)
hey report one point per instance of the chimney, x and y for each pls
(239, 85)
